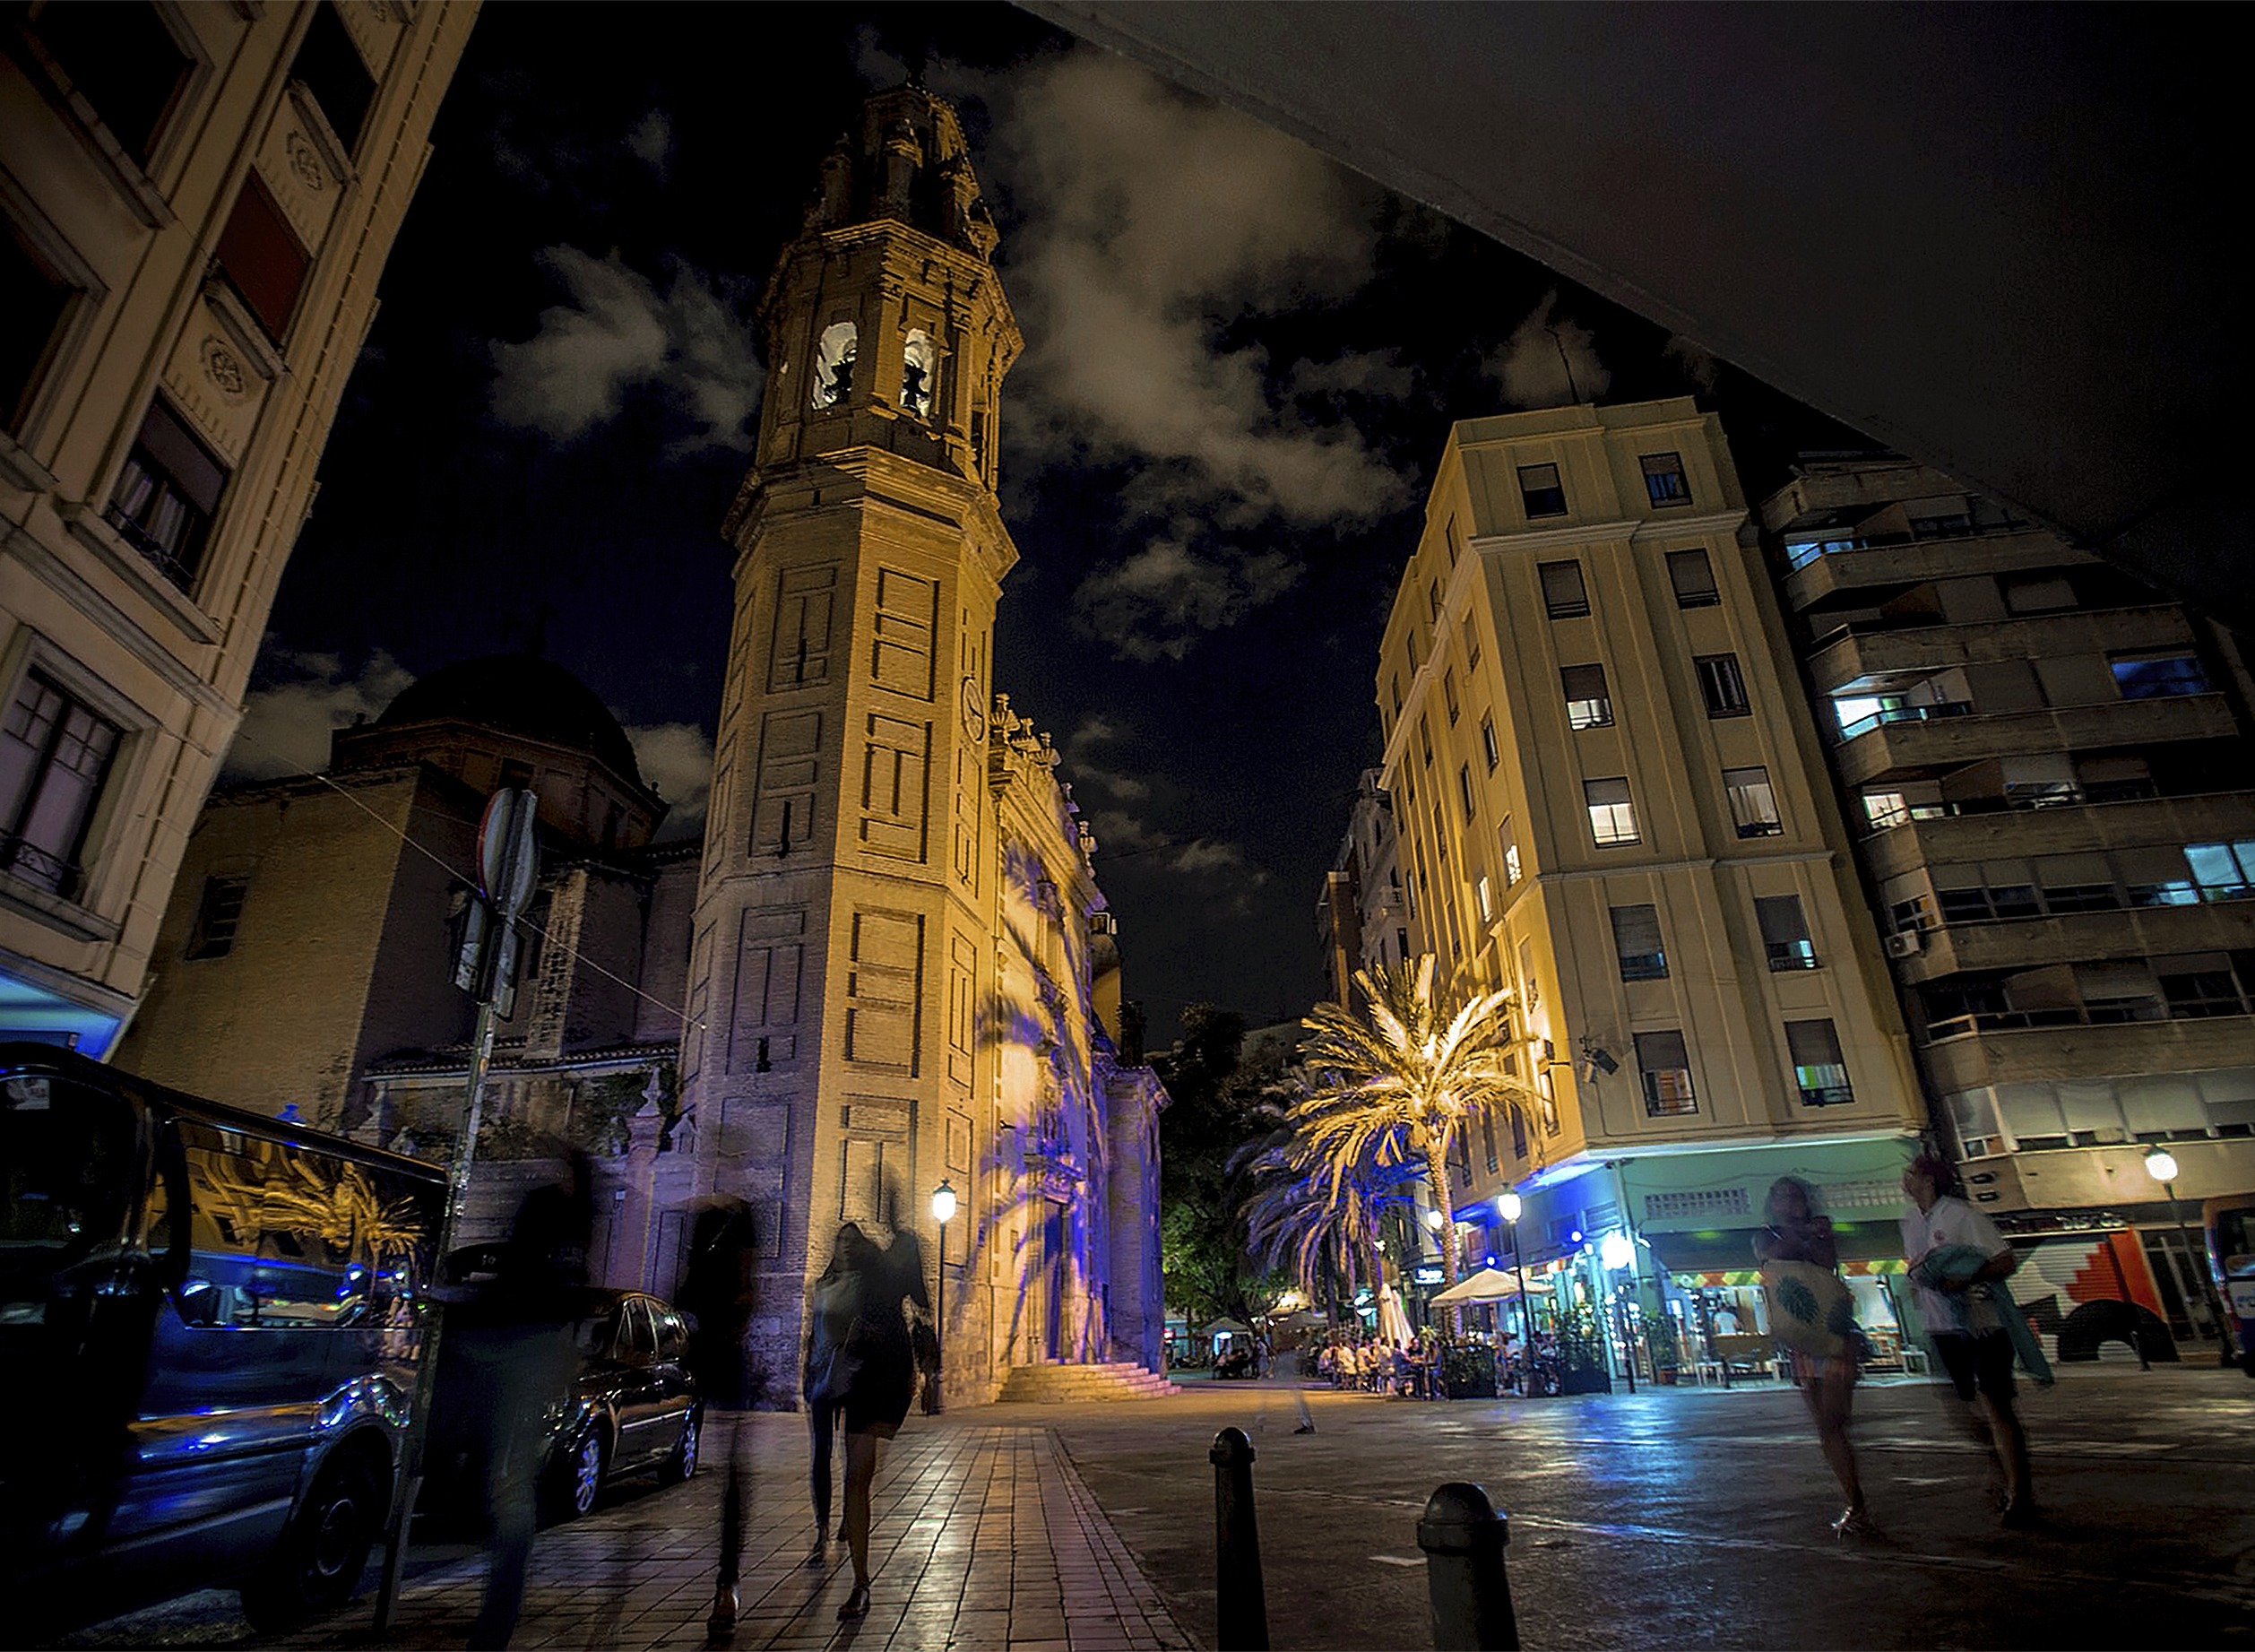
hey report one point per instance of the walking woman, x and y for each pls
(718, 1294)
(1797, 1234)
(878, 1365)
(834, 1302)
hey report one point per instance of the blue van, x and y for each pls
(210, 1321)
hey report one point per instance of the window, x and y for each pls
(1510, 853)
(1472, 643)
(1488, 747)
(1464, 788)
(1449, 694)
(1636, 943)
(2202, 993)
(1612, 818)
(920, 367)
(262, 259)
(1425, 738)
(1721, 684)
(1664, 480)
(1886, 808)
(1486, 893)
(1819, 1068)
(2147, 677)
(333, 71)
(1393, 688)
(54, 754)
(2225, 871)
(166, 496)
(217, 914)
(1540, 489)
(1432, 596)
(121, 59)
(1667, 1067)
(1693, 579)
(1448, 537)
(2037, 594)
(1526, 976)
(1487, 1138)
(1753, 805)
(1564, 596)
(1587, 704)
(1785, 931)
(833, 364)
(35, 300)
(1400, 946)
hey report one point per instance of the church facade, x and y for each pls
(885, 967)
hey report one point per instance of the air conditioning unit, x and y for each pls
(1907, 942)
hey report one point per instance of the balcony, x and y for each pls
(2066, 1043)
(1836, 568)
(2010, 944)
(1990, 828)
(1926, 742)
(1867, 650)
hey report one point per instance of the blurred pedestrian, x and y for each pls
(1955, 1254)
(834, 1302)
(510, 1341)
(881, 1383)
(717, 1293)
(1798, 1233)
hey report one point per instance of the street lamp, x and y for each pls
(1510, 1206)
(2161, 1165)
(943, 1213)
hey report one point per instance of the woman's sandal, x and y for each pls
(857, 1605)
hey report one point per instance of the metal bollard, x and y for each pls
(1463, 1539)
(1240, 1603)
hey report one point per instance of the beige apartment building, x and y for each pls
(1610, 801)
(197, 202)
(2049, 771)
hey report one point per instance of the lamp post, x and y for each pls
(943, 1213)
(1510, 1206)
(1434, 1221)
(2161, 1165)
(1615, 1253)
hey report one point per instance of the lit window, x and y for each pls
(1540, 488)
(1753, 804)
(1636, 943)
(166, 495)
(1664, 480)
(2225, 871)
(1722, 685)
(217, 915)
(1510, 853)
(1488, 747)
(1564, 596)
(260, 258)
(1819, 1068)
(919, 370)
(1487, 895)
(2149, 677)
(54, 754)
(1587, 704)
(1784, 931)
(1666, 1066)
(1886, 808)
(1692, 578)
(1612, 818)
(833, 364)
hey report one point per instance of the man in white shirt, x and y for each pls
(1968, 1335)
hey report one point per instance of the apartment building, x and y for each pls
(195, 203)
(2049, 770)
(1610, 801)
(1360, 921)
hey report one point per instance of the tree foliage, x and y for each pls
(1216, 1103)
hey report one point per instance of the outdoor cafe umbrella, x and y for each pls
(1489, 1284)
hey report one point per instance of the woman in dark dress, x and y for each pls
(882, 1356)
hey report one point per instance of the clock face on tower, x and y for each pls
(974, 709)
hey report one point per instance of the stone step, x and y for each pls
(1055, 1383)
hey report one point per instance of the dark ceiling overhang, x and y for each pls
(1991, 238)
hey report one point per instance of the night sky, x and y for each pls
(1241, 364)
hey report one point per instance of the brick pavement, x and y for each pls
(982, 1539)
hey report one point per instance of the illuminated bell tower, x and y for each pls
(843, 940)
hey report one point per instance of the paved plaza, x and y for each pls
(1665, 1519)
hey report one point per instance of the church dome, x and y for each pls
(522, 694)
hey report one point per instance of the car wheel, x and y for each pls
(581, 1481)
(683, 1461)
(317, 1564)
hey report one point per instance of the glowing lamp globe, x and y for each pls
(2161, 1165)
(1510, 1206)
(1433, 1219)
(1614, 1251)
(944, 1203)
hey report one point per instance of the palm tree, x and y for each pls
(1319, 1217)
(1401, 1080)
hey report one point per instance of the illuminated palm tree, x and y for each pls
(1398, 1081)
(1319, 1217)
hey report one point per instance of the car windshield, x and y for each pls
(69, 1165)
(594, 1334)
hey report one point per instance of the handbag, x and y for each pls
(835, 1380)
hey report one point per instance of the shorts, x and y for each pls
(1977, 1364)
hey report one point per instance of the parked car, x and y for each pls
(633, 1407)
(208, 1344)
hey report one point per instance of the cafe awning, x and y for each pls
(1489, 1284)
(1865, 1248)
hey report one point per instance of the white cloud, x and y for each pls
(1697, 364)
(1149, 222)
(286, 727)
(1157, 603)
(676, 759)
(1088, 774)
(651, 140)
(1549, 362)
(617, 332)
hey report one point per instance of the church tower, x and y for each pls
(843, 939)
